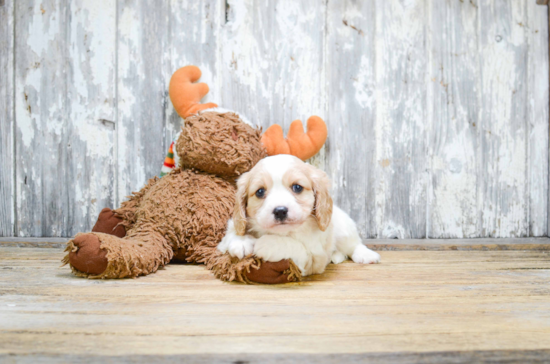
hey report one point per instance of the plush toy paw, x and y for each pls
(108, 223)
(271, 272)
(89, 257)
(186, 94)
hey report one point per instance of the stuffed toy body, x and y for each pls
(183, 215)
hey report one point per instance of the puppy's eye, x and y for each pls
(260, 193)
(297, 188)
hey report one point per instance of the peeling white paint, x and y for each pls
(43, 25)
(437, 111)
(364, 84)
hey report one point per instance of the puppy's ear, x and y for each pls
(239, 214)
(323, 202)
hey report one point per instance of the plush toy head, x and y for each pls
(219, 143)
(186, 94)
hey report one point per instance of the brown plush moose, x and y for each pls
(183, 215)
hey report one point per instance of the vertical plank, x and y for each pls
(538, 100)
(437, 111)
(142, 94)
(90, 168)
(401, 138)
(351, 145)
(272, 60)
(194, 32)
(7, 213)
(503, 201)
(453, 87)
(41, 115)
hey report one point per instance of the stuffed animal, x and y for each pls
(183, 215)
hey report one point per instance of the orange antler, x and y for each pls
(297, 143)
(185, 94)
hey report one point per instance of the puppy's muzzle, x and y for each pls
(281, 213)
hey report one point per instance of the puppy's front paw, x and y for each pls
(240, 246)
(338, 257)
(364, 255)
(262, 250)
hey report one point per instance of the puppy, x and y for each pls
(284, 210)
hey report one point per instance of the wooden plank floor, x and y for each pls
(417, 306)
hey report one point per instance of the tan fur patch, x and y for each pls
(259, 178)
(300, 174)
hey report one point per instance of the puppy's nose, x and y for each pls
(280, 213)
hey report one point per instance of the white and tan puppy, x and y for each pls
(284, 211)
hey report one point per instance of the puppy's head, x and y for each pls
(279, 194)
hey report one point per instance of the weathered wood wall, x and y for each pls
(437, 109)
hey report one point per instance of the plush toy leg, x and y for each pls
(250, 269)
(86, 255)
(274, 272)
(127, 210)
(108, 223)
(97, 255)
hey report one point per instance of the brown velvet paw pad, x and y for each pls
(89, 258)
(107, 223)
(270, 272)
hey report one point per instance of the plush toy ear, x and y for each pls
(185, 94)
(241, 199)
(297, 143)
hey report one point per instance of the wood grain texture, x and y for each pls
(538, 117)
(272, 60)
(194, 39)
(401, 166)
(453, 115)
(65, 111)
(548, 189)
(351, 118)
(142, 56)
(438, 357)
(503, 199)
(90, 169)
(41, 105)
(437, 110)
(484, 244)
(7, 121)
(414, 302)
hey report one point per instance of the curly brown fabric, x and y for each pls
(127, 257)
(185, 213)
(220, 144)
(127, 210)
